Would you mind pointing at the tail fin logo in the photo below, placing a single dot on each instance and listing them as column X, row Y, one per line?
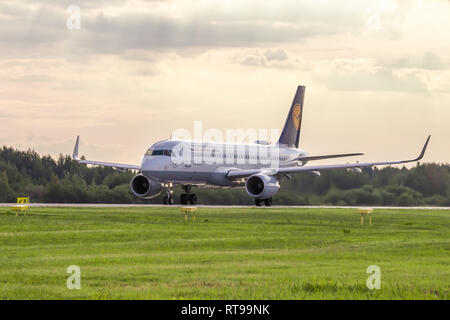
column 296, row 116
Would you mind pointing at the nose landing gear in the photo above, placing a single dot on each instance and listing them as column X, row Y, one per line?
column 168, row 198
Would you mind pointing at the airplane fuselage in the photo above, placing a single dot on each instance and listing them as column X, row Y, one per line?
column 205, row 163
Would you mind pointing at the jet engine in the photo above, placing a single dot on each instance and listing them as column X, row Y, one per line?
column 144, row 188
column 261, row 186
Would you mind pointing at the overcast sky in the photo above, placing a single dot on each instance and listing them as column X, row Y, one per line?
column 377, row 73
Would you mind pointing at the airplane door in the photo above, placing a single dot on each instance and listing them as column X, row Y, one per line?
column 185, row 162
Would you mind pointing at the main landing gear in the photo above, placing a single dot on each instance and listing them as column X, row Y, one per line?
column 188, row 197
column 267, row 202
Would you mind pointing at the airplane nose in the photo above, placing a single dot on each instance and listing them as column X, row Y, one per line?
column 153, row 163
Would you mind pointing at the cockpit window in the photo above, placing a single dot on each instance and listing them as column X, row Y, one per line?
column 151, row 152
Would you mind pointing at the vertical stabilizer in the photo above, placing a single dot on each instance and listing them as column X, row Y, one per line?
column 291, row 132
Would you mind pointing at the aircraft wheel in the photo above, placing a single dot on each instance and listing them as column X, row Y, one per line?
column 258, row 202
column 192, row 198
column 184, row 198
column 268, row 202
column 168, row 200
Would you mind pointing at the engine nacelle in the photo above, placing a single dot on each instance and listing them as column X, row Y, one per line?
column 144, row 188
column 261, row 186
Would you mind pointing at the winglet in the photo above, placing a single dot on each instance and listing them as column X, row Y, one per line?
column 423, row 149
column 75, row 149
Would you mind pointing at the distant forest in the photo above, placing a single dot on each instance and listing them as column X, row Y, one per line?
column 44, row 179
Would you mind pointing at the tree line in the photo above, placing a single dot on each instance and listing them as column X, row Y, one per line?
column 62, row 180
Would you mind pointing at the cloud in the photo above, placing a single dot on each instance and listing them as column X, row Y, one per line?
column 254, row 60
column 134, row 64
column 270, row 58
column 372, row 80
column 427, row 60
column 276, row 54
column 340, row 74
column 114, row 27
column 432, row 61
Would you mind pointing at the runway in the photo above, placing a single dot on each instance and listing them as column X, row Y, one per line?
column 112, row 205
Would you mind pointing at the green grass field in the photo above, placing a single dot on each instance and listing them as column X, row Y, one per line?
column 254, row 253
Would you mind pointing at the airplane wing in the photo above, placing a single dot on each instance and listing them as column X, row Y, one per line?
column 330, row 156
column 239, row 174
column 100, row 163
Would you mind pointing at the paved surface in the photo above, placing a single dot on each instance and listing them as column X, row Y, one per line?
column 109, row 205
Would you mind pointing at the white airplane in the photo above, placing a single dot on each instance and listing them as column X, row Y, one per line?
column 258, row 167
